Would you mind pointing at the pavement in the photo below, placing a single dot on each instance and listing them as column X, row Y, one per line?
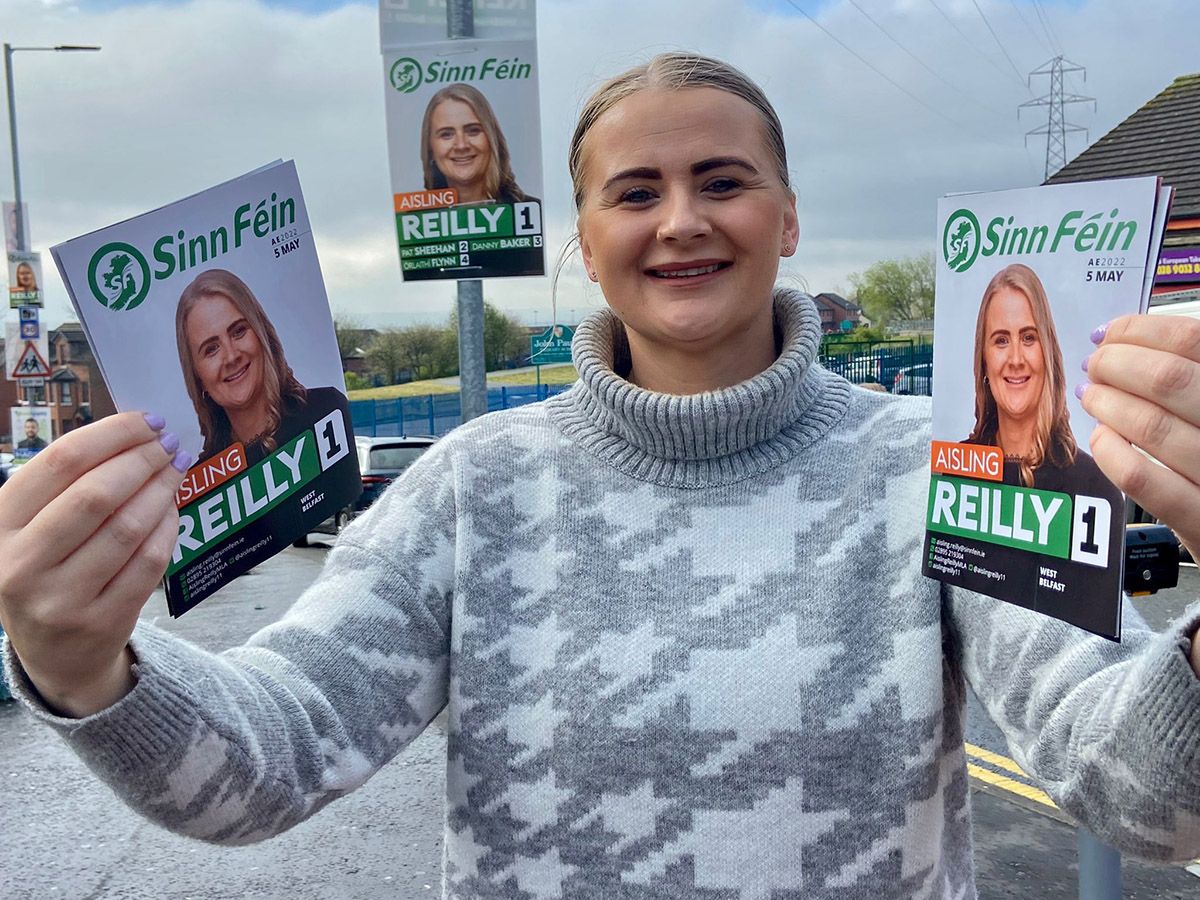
column 63, row 834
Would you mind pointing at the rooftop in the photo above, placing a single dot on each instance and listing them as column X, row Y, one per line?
column 1161, row 138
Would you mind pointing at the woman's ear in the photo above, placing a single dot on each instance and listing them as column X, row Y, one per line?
column 791, row 228
column 585, row 250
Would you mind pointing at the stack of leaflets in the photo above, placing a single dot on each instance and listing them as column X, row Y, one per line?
column 1017, row 508
column 212, row 313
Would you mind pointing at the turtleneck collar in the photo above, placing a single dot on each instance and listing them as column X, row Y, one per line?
column 700, row 440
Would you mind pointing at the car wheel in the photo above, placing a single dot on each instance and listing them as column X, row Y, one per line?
column 341, row 520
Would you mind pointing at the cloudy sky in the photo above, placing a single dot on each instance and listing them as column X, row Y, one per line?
column 886, row 105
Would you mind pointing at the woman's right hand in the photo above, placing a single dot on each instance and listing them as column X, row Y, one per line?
column 87, row 528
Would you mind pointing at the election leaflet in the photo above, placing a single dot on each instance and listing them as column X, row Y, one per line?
column 1017, row 508
column 211, row 312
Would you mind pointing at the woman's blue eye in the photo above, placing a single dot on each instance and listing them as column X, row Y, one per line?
column 637, row 195
column 723, row 185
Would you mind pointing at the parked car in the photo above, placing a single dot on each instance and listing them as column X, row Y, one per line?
column 381, row 460
column 914, row 380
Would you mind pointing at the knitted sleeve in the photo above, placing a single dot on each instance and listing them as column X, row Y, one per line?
column 1111, row 731
column 236, row 747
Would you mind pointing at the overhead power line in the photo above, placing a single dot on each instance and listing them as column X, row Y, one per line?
column 923, row 64
column 996, row 37
column 1044, row 18
column 970, row 43
column 873, row 68
column 1037, row 37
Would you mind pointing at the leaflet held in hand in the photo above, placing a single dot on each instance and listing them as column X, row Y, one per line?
column 1017, row 508
column 212, row 313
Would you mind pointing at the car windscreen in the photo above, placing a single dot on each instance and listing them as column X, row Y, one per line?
column 393, row 459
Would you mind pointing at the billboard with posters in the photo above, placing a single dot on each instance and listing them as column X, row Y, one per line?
column 30, row 431
column 24, row 279
column 464, row 142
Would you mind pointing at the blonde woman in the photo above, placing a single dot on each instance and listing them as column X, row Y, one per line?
column 462, row 147
column 1021, row 389
column 237, row 376
column 671, row 668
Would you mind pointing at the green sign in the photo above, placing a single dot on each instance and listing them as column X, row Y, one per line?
column 551, row 346
column 1003, row 514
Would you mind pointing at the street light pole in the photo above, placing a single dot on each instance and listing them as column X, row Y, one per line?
column 9, row 50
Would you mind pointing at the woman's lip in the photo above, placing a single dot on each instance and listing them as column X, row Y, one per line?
column 673, row 271
column 236, row 376
column 1014, row 380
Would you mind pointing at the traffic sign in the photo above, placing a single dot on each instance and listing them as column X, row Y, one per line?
column 30, row 363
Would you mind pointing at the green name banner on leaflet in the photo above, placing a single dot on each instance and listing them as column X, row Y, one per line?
column 1019, row 517
column 243, row 499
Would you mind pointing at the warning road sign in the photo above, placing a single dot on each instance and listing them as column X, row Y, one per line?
column 25, row 357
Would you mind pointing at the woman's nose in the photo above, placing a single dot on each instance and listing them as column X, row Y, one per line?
column 683, row 218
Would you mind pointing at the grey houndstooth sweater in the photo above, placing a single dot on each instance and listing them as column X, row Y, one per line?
column 687, row 653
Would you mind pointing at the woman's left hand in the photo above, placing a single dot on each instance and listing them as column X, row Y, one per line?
column 1144, row 390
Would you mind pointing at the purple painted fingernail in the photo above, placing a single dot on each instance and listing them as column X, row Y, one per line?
column 1098, row 334
column 1081, row 387
column 1085, row 363
column 170, row 442
column 156, row 422
column 182, row 461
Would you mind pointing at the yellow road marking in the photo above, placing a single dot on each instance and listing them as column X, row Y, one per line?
column 1009, row 784
column 995, row 759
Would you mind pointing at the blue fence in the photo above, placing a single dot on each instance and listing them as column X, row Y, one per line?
column 903, row 367
column 435, row 414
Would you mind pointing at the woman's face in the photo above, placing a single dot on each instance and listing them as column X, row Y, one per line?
column 683, row 217
column 226, row 353
column 460, row 148
column 25, row 279
column 1013, row 358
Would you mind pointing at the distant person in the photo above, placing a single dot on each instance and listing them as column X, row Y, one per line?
column 237, row 376
column 33, row 440
column 462, row 147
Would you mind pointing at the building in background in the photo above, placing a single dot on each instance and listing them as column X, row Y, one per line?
column 75, row 391
column 836, row 311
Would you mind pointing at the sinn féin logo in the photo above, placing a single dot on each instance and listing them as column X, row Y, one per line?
column 119, row 276
column 406, row 75
column 961, row 240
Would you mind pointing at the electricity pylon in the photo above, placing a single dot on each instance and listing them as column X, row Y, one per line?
column 1056, row 126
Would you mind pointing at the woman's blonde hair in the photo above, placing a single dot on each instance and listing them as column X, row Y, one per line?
column 281, row 386
column 499, row 180
column 676, row 71
column 1053, row 441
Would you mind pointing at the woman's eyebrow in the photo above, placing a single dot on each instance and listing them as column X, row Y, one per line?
column 699, row 168
column 720, row 162
column 646, row 172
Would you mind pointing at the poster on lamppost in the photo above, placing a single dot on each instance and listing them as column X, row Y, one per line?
column 15, row 238
column 211, row 312
column 1017, row 508
column 24, row 278
column 464, row 148
column 30, row 431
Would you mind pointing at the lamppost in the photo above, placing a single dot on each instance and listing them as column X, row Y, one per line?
column 9, row 50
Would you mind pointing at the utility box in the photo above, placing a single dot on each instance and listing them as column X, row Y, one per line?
column 1151, row 559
